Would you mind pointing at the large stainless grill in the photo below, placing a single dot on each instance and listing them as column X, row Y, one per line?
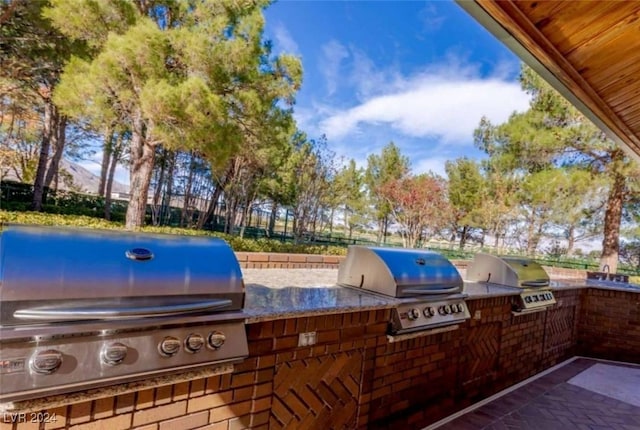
column 428, row 284
column 522, row 273
column 84, row 308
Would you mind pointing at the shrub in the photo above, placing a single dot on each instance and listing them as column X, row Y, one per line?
column 236, row 243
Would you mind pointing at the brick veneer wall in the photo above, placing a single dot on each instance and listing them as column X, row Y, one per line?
column 610, row 325
column 273, row 260
column 419, row 381
column 354, row 378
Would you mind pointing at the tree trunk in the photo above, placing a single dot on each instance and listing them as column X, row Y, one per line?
column 106, row 158
column 272, row 219
column 331, row 214
column 571, row 240
column 50, row 113
column 186, row 202
column 115, row 152
column 157, row 192
column 385, row 228
column 166, row 206
column 59, row 139
column 612, row 218
column 211, row 208
column 142, row 155
column 463, row 236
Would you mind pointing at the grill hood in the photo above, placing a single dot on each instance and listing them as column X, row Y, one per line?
column 399, row 272
column 59, row 274
column 510, row 271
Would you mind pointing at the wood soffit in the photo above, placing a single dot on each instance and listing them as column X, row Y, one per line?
column 588, row 50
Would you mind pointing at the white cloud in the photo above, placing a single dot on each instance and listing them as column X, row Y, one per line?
column 430, row 18
column 284, row 42
column 445, row 104
column 431, row 164
column 333, row 54
column 368, row 80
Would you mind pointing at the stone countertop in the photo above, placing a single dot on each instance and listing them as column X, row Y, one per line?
column 283, row 293
column 476, row 290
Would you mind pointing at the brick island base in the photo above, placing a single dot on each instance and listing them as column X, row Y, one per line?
column 353, row 378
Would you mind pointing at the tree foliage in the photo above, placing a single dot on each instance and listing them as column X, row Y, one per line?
column 418, row 204
column 553, row 135
column 181, row 75
column 390, row 165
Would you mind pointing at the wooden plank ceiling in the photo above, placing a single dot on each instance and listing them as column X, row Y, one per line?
column 591, row 47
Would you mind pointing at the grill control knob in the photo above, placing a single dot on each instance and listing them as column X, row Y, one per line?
column 429, row 312
column 447, row 309
column 441, row 310
column 46, row 362
column 413, row 314
column 169, row 346
column 194, row 342
column 114, row 353
column 216, row 339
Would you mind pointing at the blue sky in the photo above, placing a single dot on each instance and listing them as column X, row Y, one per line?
column 420, row 74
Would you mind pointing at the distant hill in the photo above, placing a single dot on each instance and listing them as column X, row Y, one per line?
column 82, row 179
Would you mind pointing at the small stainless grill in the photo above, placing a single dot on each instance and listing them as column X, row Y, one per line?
column 428, row 284
column 82, row 309
column 524, row 274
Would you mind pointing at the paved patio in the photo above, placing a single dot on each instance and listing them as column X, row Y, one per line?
column 558, row 401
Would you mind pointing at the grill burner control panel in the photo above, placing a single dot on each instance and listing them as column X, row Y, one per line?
column 423, row 315
column 530, row 300
column 63, row 363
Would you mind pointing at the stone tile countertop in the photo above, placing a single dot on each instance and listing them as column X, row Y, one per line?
column 281, row 293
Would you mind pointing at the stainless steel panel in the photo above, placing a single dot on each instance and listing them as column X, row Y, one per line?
column 416, row 316
column 59, row 266
column 510, row 271
column 83, row 363
column 399, row 272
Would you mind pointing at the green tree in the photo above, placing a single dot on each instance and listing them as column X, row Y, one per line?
column 465, row 190
column 308, row 172
column 20, row 132
column 389, row 166
column 348, row 191
column 552, row 133
column 32, row 55
column 177, row 74
column 417, row 203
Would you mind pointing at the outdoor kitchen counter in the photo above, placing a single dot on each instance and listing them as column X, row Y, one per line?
column 273, row 294
column 405, row 384
column 282, row 293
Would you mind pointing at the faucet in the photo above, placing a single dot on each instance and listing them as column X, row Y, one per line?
column 606, row 267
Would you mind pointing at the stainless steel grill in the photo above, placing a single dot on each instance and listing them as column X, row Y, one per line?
column 84, row 308
column 524, row 274
column 429, row 286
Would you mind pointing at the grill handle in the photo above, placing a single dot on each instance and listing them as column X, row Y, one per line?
column 92, row 313
column 425, row 292
column 535, row 284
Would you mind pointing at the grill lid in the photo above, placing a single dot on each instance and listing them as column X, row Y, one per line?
column 510, row 271
column 399, row 272
column 60, row 274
